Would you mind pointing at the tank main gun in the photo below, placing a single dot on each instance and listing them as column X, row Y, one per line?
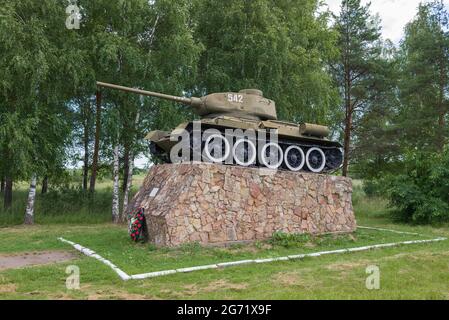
column 188, row 101
column 247, row 104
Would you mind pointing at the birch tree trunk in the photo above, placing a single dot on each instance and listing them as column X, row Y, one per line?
column 129, row 174
column 115, row 195
column 29, row 215
column 127, row 189
column 86, row 147
column 93, row 177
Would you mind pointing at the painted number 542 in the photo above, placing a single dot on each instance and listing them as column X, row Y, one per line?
column 235, row 98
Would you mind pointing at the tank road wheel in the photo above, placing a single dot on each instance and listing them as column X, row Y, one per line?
column 244, row 152
column 217, row 148
column 316, row 160
column 272, row 155
column 294, row 158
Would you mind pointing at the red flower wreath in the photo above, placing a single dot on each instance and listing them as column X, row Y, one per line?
column 136, row 227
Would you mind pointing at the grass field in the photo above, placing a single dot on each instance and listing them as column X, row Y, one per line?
column 407, row 272
column 64, row 206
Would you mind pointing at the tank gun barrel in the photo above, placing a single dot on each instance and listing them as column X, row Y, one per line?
column 183, row 100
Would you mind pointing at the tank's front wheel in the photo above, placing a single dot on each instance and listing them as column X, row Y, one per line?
column 315, row 160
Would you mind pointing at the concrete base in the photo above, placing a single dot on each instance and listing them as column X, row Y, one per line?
column 215, row 204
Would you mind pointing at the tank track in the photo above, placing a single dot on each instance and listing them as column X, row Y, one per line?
column 333, row 156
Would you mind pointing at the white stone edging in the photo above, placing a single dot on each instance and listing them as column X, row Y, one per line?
column 126, row 277
column 389, row 230
column 92, row 254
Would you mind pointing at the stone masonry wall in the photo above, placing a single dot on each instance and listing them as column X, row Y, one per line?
column 215, row 204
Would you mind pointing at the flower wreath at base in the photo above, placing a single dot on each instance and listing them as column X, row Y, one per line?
column 137, row 225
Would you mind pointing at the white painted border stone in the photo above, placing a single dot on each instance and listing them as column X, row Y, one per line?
column 389, row 230
column 142, row 276
column 92, row 254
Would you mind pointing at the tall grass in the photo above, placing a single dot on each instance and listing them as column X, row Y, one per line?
column 70, row 205
column 67, row 206
column 369, row 208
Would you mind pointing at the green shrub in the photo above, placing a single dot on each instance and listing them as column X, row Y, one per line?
column 420, row 194
column 374, row 188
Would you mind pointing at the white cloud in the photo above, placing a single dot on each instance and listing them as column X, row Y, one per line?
column 142, row 162
column 395, row 14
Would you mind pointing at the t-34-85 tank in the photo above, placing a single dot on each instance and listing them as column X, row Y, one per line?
column 296, row 147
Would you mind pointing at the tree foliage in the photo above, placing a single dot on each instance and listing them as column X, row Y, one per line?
column 35, row 121
column 415, row 130
column 420, row 193
column 279, row 47
column 424, row 85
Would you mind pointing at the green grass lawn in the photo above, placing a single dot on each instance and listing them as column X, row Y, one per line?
column 407, row 272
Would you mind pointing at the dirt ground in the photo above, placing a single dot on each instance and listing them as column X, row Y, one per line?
column 34, row 258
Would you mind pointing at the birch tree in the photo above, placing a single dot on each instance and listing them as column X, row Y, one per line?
column 93, row 177
column 115, row 194
column 153, row 49
column 29, row 214
column 129, row 173
column 129, row 183
column 34, row 60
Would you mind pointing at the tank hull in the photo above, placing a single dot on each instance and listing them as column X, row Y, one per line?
column 288, row 136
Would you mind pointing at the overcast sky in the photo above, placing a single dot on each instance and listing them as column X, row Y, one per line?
column 395, row 14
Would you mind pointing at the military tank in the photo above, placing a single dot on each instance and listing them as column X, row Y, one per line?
column 295, row 147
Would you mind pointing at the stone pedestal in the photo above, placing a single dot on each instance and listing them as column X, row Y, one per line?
column 215, row 204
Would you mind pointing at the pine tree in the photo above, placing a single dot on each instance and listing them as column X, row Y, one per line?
column 356, row 67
